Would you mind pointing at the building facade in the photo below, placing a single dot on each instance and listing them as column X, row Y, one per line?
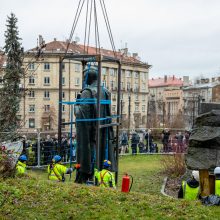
column 165, row 100
column 204, row 90
column 39, row 103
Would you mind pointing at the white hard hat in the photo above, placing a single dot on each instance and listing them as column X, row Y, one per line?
column 217, row 170
column 195, row 174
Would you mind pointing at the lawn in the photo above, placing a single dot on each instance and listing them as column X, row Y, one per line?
column 35, row 197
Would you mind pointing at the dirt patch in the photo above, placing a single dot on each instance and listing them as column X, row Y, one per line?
column 172, row 186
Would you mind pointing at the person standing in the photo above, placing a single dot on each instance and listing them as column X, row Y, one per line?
column 165, row 140
column 124, row 142
column 149, row 141
column 105, row 178
column 134, row 142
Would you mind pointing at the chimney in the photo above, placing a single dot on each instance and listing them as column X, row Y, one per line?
column 197, row 81
column 124, row 51
column 173, row 77
column 135, row 55
column 165, row 78
column 213, row 79
column 54, row 39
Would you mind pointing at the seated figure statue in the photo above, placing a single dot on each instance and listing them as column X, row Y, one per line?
column 86, row 129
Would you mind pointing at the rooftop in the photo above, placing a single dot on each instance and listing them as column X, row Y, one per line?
column 75, row 48
column 166, row 81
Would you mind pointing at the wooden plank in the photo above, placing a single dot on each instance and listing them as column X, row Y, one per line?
column 204, row 182
column 212, row 184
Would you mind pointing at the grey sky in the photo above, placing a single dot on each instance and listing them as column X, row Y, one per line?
column 175, row 36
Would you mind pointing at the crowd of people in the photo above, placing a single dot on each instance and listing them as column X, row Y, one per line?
column 144, row 141
column 49, row 148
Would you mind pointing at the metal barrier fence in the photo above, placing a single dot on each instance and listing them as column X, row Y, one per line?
column 40, row 147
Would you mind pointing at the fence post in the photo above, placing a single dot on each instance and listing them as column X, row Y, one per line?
column 38, row 148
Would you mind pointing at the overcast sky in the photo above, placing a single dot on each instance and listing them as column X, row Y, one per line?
column 175, row 36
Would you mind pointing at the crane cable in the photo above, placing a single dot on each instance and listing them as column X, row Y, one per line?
column 105, row 14
column 88, row 22
column 78, row 12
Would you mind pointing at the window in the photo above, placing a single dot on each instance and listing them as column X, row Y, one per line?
column 77, row 67
column 136, row 108
column 128, row 85
column 63, row 80
column 136, row 74
column 114, row 108
column 128, row 73
column 31, row 80
column 112, row 71
column 46, row 66
column 63, row 66
column 136, row 87
column 144, row 76
column 143, row 108
column 31, row 108
column 31, row 66
column 46, row 80
column 31, row 123
column 113, row 96
column 46, row 94
column 63, row 95
column 1, row 80
column 112, row 84
column 47, row 108
column 143, row 86
column 136, row 97
column 122, row 85
column 63, row 121
column 63, row 108
column 104, row 70
column 104, row 83
column 143, row 98
column 31, row 94
column 77, row 81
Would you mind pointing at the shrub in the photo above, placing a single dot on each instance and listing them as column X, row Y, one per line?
column 174, row 165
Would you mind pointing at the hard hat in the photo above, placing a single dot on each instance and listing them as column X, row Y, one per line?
column 23, row 158
column 107, row 163
column 57, row 158
column 217, row 170
column 195, row 175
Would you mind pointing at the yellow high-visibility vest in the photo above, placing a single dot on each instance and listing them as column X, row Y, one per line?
column 20, row 168
column 190, row 193
column 217, row 187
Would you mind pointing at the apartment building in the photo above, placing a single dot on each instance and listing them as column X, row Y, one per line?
column 39, row 104
column 165, row 99
column 204, row 90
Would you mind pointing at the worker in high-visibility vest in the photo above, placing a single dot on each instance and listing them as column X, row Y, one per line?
column 105, row 178
column 21, row 165
column 217, row 181
column 56, row 170
column 190, row 189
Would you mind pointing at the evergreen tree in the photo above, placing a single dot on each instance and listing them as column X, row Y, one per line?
column 10, row 92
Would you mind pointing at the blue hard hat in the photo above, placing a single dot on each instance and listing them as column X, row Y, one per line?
column 23, row 158
column 57, row 158
column 107, row 163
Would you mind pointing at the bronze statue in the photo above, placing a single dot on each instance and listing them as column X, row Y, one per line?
column 85, row 112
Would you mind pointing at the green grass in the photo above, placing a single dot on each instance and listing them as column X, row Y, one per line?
column 37, row 198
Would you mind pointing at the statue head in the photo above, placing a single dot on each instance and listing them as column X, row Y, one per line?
column 90, row 74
